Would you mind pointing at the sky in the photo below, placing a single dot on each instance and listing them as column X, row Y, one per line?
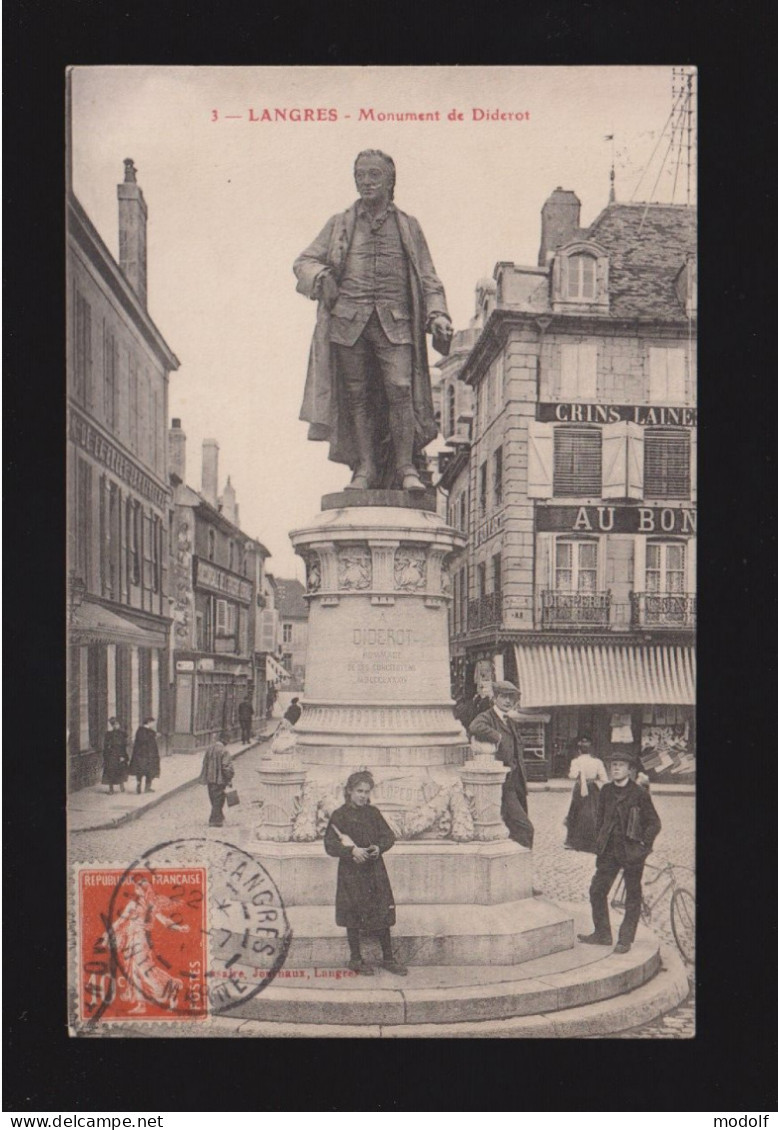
column 232, row 201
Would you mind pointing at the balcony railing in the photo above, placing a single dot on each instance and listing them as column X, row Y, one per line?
column 663, row 610
column 485, row 612
column 572, row 610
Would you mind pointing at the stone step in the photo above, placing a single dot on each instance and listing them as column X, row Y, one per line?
column 581, row 991
column 506, row 934
column 476, row 873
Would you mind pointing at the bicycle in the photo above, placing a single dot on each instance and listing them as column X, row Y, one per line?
column 682, row 904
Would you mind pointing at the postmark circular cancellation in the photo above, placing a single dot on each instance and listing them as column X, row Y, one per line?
column 191, row 929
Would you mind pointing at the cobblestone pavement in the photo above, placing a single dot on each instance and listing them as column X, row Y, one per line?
column 559, row 874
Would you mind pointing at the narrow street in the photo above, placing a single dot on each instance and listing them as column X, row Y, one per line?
column 559, row 874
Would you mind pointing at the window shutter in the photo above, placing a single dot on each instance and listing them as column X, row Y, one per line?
column 540, row 460
column 568, row 378
column 691, row 566
column 634, row 460
column 657, row 387
column 693, row 465
column 614, row 460
column 639, row 572
column 676, row 376
column 544, row 578
column 221, row 615
column 587, row 371
column 602, row 562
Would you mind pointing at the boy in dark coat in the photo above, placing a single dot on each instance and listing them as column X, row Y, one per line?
column 245, row 714
column 357, row 835
column 627, row 825
column 145, row 755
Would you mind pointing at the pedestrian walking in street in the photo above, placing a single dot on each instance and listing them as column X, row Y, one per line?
column 498, row 727
column 272, row 695
column 293, row 712
column 245, row 714
column 627, row 825
column 217, row 774
column 589, row 774
column 144, row 765
column 358, row 836
column 115, row 757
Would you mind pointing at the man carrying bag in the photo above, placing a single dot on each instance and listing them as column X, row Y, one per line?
column 217, row 773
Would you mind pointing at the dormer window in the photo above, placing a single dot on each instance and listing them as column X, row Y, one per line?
column 581, row 276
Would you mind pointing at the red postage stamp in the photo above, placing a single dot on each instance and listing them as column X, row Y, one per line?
column 142, row 944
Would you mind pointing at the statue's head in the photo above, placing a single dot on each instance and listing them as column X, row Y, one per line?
column 374, row 174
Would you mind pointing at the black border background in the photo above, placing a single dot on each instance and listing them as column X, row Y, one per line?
column 727, row 1067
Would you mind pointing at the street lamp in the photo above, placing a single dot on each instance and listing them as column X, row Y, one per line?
column 76, row 593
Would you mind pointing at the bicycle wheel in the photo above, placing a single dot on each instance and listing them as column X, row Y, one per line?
column 682, row 920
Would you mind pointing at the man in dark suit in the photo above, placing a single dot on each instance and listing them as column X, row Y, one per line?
column 497, row 727
column 627, row 825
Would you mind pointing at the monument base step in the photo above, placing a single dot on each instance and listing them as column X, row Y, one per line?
column 456, row 934
column 582, row 991
column 477, row 873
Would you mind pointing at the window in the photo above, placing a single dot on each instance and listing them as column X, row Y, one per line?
column 575, row 568
column 83, row 520
column 666, row 463
column 134, row 537
column 581, row 276
column 82, row 370
column 667, row 376
column 134, row 411
column 211, row 545
column 287, row 633
column 156, row 554
column 665, row 567
column 110, row 367
column 482, row 486
column 451, row 413
column 577, row 462
column 578, row 371
column 463, row 511
column 498, row 477
column 231, row 555
column 110, row 537
column 497, row 573
column 481, row 579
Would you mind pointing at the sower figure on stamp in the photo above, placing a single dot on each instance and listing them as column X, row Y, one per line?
column 627, row 825
column 357, row 835
column 217, row 773
column 498, row 728
column 368, row 387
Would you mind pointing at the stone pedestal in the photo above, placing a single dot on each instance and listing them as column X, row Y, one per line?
column 377, row 682
column 378, row 696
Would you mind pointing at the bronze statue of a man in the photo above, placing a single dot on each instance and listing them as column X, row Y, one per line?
column 368, row 386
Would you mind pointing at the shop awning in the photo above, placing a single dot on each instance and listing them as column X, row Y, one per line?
column 92, row 623
column 274, row 670
column 581, row 675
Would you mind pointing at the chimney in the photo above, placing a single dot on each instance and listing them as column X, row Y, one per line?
column 229, row 505
column 176, row 445
column 210, row 480
column 559, row 223
column 132, row 230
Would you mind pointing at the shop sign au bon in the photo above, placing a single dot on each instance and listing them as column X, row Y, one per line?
column 617, row 519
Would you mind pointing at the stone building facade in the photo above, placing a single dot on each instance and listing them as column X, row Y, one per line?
column 118, row 498
column 217, row 575
column 581, row 558
column 292, row 611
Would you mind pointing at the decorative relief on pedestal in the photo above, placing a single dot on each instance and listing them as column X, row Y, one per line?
column 410, row 570
column 313, row 572
column 441, row 811
column 282, row 785
column 355, row 569
column 482, row 779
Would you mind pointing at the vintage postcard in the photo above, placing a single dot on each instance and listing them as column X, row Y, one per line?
column 381, row 498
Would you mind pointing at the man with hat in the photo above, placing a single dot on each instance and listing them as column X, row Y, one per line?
column 499, row 727
column 627, row 825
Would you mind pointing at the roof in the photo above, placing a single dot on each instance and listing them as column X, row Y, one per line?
column 647, row 245
column 290, row 600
